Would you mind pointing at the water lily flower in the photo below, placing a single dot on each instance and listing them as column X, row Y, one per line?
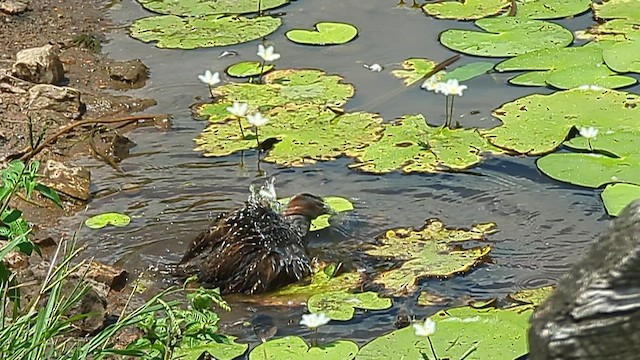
column 314, row 321
column 210, row 78
column 257, row 119
column 374, row 67
column 589, row 132
column 427, row 328
column 238, row 109
column 453, row 87
column 267, row 54
column 431, row 84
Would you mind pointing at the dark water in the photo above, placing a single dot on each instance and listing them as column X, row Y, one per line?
column 544, row 225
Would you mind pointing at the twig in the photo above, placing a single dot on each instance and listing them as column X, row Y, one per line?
column 101, row 155
column 514, row 8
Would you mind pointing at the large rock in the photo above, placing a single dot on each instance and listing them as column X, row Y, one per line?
column 13, row 7
column 69, row 180
column 60, row 99
column 39, row 65
column 595, row 311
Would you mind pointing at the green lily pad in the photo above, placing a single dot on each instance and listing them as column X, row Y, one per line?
column 295, row 348
column 326, row 33
column 192, row 349
column 504, row 37
column 531, row 298
column 175, row 32
column 538, row 124
column 617, row 9
column 561, row 71
column 414, row 70
column 468, row 71
column 410, row 145
column 624, row 56
column 428, row 252
column 461, row 333
column 550, row 9
column 200, row 7
column 615, row 30
column 617, row 196
column 466, row 10
column 341, row 305
column 112, row 218
column 336, row 203
column 248, row 69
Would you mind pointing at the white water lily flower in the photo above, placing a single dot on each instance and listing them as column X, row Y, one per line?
column 431, row 84
column 453, row 87
column 257, row 119
column 425, row 329
column 314, row 321
column 209, row 78
column 589, row 132
column 238, row 109
column 374, row 67
column 268, row 54
column 442, row 88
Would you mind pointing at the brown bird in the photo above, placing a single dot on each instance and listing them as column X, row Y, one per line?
column 255, row 248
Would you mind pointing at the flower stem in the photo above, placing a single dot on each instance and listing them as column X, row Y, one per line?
column 589, row 142
column 432, row 349
column 446, row 110
column 259, row 7
column 261, row 70
column 258, row 141
column 211, row 91
column 451, row 111
column 315, row 338
column 241, row 130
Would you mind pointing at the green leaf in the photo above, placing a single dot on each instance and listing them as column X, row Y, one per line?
column 550, row 9
column 102, row 220
column 617, row 196
column 538, row 124
column 174, row 32
column 428, row 252
column 505, row 37
column 469, row 71
column 336, row 203
column 200, row 7
column 461, row 333
column 294, row 348
column 414, row 70
column 194, row 348
column 623, row 56
column 617, row 9
column 248, row 69
column 531, row 298
column 466, row 10
column 11, row 216
column 326, row 33
column 49, row 194
column 410, row 145
column 341, row 305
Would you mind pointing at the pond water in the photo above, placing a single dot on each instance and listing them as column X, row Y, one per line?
column 544, row 226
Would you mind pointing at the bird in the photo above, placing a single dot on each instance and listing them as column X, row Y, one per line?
column 256, row 248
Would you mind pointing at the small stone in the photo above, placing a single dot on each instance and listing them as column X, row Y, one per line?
column 130, row 72
column 13, row 7
column 56, row 98
column 39, row 65
column 73, row 181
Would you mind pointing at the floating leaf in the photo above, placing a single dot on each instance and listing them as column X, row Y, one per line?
column 341, row 305
column 550, row 9
column 295, row 348
column 616, row 197
column 469, row 71
column 199, row 7
column 617, row 9
column 538, row 124
column 624, row 56
column 428, row 252
column 415, row 70
column 531, row 298
column 174, row 32
column 248, row 69
column 461, row 333
column 465, row 10
column 193, row 349
column 505, row 37
column 326, row 33
column 561, row 71
column 112, row 218
column 337, row 205
column 411, row 145
column 431, row 299
column 616, row 30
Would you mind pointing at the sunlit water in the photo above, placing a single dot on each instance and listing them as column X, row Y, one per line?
column 544, row 225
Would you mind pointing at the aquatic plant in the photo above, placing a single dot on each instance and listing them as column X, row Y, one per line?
column 257, row 120
column 589, row 133
column 267, row 54
column 313, row 322
column 211, row 79
column 239, row 110
column 426, row 329
column 450, row 89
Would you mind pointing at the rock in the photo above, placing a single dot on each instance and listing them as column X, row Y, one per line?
column 61, row 99
column 69, row 180
column 594, row 313
column 130, row 72
column 13, row 7
column 39, row 65
column 113, row 278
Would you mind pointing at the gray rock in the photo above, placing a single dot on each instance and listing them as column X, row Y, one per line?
column 61, row 99
column 594, row 313
column 69, row 180
column 13, row 7
column 39, row 65
column 130, row 72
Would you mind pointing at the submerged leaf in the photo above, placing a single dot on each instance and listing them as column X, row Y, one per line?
column 102, row 220
column 341, row 305
column 468, row 71
column 531, row 298
column 326, row 33
column 415, row 70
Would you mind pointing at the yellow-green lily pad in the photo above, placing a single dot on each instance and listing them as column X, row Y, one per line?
column 200, row 7
column 111, row 218
column 531, row 298
column 617, row 9
column 325, row 33
column 465, row 9
column 428, row 252
column 192, row 348
column 414, row 70
column 550, row 9
column 617, row 196
column 295, row 348
column 248, row 69
column 336, row 203
column 341, row 305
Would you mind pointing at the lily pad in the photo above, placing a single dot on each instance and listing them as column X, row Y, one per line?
column 538, row 124
column 531, row 298
column 617, row 196
column 415, row 70
column 336, row 203
column 341, row 305
column 428, row 252
column 461, row 333
column 326, row 33
column 550, row 9
column 410, row 145
column 295, row 348
column 468, row 71
column 561, row 71
column 466, row 10
column 617, row 9
column 175, row 32
column 616, row 30
column 248, row 69
column 193, row 349
column 200, row 7
column 624, row 56
column 504, row 37
column 111, row 218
